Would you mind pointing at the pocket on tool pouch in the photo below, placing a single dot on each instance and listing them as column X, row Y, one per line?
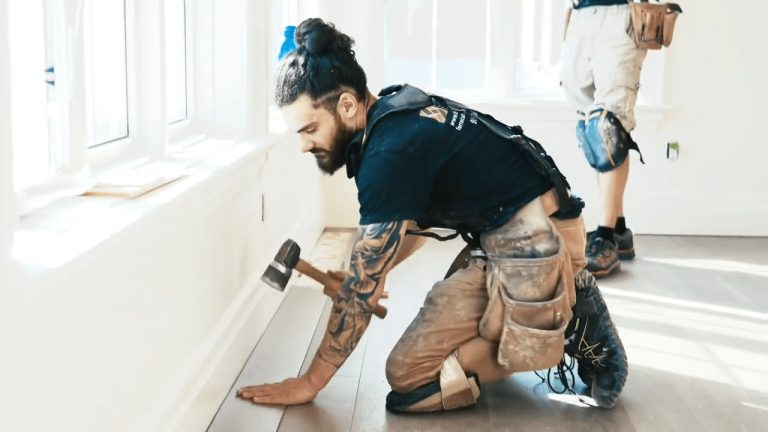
column 529, row 330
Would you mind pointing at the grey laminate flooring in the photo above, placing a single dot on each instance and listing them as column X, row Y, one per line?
column 691, row 312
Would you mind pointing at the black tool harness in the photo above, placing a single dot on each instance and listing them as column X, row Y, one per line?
column 405, row 97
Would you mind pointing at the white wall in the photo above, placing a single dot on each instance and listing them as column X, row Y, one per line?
column 714, row 99
column 148, row 329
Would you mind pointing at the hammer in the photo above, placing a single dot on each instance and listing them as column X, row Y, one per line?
column 287, row 258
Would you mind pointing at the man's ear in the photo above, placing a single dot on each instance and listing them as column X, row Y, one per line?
column 348, row 105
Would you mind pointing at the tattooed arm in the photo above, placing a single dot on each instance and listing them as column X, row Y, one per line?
column 410, row 244
column 373, row 256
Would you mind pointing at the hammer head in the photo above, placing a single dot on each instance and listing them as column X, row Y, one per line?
column 279, row 271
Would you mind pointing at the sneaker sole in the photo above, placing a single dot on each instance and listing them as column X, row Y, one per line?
column 627, row 254
column 607, row 272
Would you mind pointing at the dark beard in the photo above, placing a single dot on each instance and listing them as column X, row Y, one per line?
column 330, row 161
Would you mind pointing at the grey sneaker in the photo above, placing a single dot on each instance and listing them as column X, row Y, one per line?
column 602, row 256
column 592, row 339
column 625, row 244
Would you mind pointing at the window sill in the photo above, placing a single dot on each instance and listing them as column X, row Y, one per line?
column 69, row 226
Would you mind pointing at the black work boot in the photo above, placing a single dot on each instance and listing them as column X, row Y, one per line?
column 625, row 244
column 602, row 256
column 592, row 339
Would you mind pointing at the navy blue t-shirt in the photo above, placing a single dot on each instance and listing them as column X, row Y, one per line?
column 442, row 168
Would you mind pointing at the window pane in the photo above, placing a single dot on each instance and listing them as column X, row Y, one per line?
column 175, row 60
column 408, row 43
column 461, row 54
column 31, row 146
column 541, row 34
column 106, row 70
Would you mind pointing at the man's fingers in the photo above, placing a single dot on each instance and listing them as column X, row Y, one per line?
column 276, row 399
column 256, row 394
column 249, row 391
column 259, row 393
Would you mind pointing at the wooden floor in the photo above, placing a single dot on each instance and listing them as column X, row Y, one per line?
column 690, row 310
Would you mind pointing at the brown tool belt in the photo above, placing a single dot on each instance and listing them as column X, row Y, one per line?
column 653, row 23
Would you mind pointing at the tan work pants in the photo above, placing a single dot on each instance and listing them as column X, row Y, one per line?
column 449, row 320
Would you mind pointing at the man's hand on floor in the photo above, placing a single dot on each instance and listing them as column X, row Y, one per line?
column 292, row 391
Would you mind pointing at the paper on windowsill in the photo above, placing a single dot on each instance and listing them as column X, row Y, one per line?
column 133, row 183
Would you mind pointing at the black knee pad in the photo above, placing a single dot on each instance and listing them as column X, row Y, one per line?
column 604, row 140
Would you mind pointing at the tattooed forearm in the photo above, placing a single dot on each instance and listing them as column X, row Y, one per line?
column 372, row 257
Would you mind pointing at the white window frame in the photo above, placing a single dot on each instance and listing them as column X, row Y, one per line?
column 186, row 130
column 7, row 199
column 209, row 114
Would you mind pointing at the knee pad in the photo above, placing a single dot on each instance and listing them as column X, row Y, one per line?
column 604, row 140
column 455, row 389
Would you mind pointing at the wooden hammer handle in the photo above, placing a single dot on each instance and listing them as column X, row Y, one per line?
column 332, row 285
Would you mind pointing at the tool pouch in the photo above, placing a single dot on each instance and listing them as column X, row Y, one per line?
column 652, row 25
column 528, row 310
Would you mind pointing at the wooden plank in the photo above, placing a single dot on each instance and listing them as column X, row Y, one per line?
column 278, row 355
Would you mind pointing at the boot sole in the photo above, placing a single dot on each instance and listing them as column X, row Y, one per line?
column 627, row 254
column 606, row 272
column 605, row 399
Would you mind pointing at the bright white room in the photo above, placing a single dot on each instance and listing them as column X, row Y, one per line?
column 148, row 178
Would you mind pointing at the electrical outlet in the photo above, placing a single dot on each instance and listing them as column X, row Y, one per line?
column 673, row 150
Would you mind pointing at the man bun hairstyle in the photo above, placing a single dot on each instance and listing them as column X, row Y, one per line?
column 322, row 64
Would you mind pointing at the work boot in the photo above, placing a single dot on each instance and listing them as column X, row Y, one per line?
column 592, row 339
column 602, row 256
column 625, row 244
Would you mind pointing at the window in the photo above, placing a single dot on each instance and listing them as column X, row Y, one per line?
column 513, row 50
column 96, row 85
column 175, row 60
column 106, row 71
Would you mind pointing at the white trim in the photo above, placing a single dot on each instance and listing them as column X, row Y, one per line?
column 150, row 128
column 181, row 131
column 7, row 212
column 74, row 144
column 257, row 76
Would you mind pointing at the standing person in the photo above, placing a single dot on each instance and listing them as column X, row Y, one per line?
column 601, row 76
column 419, row 159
